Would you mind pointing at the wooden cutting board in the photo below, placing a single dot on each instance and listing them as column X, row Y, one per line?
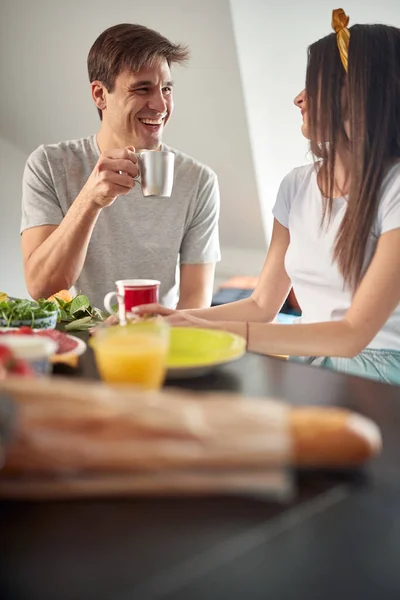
column 272, row 483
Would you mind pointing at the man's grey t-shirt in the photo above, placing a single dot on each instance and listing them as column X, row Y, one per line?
column 136, row 237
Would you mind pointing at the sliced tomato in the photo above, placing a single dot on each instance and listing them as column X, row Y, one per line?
column 26, row 331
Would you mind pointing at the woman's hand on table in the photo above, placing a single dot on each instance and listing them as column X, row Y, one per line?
column 176, row 318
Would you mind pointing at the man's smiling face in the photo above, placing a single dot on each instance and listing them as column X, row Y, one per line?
column 140, row 105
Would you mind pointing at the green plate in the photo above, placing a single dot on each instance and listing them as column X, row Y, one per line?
column 194, row 351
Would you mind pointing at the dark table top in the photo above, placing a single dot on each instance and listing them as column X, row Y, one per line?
column 339, row 536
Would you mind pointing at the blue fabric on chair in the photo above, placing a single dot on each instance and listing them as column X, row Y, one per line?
column 226, row 295
column 287, row 314
column 286, row 319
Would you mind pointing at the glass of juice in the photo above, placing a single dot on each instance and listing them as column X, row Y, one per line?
column 134, row 354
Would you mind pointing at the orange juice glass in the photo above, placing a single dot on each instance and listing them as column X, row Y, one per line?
column 134, row 354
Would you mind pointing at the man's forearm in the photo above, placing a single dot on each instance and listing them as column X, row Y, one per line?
column 57, row 263
column 195, row 301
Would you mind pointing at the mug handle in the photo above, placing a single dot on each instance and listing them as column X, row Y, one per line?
column 108, row 306
column 137, row 178
column 107, row 302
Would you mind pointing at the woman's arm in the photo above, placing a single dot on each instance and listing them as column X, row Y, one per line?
column 268, row 297
column 374, row 301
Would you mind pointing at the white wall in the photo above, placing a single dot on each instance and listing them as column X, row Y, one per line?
column 234, row 105
column 46, row 96
column 272, row 40
column 12, row 162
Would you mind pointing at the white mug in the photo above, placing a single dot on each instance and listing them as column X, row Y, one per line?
column 156, row 172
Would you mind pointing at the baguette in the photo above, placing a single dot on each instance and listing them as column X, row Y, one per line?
column 65, row 426
column 332, row 437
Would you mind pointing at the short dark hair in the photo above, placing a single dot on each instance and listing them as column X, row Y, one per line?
column 129, row 46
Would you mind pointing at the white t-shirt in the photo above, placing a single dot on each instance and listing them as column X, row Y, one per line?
column 316, row 279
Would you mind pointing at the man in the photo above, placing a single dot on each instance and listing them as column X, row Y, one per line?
column 85, row 224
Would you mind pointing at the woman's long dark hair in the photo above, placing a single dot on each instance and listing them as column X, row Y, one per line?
column 369, row 96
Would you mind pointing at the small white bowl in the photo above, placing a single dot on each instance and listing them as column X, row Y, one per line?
column 48, row 322
column 34, row 349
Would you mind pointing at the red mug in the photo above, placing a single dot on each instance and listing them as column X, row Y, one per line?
column 131, row 293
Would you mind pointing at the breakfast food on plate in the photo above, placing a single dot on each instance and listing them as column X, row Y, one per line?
column 65, row 343
column 87, row 427
column 64, row 295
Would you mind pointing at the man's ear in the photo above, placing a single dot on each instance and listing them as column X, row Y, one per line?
column 99, row 94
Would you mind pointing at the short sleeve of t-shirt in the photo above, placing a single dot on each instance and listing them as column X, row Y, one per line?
column 200, row 243
column 40, row 205
column 288, row 189
column 389, row 207
column 285, row 197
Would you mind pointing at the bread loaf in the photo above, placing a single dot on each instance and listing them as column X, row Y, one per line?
column 332, row 437
column 66, row 426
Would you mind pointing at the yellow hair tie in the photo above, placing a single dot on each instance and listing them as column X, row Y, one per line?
column 339, row 24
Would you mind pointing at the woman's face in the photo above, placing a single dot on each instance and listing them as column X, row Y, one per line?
column 301, row 102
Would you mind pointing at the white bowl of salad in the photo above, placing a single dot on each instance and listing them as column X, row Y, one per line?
column 40, row 314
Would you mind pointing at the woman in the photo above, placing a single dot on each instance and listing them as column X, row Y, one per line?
column 336, row 235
